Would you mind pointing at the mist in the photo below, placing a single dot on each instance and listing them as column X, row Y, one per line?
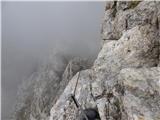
column 33, row 31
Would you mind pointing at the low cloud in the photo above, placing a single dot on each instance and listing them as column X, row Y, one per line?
column 33, row 31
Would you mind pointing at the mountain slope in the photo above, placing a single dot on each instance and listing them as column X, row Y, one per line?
column 36, row 95
column 124, row 82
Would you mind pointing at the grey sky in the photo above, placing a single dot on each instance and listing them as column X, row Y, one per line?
column 32, row 30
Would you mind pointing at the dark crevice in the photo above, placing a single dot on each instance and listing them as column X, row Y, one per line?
column 157, row 23
column 114, row 9
column 126, row 25
column 132, row 5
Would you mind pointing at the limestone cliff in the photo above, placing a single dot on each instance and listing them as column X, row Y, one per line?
column 124, row 82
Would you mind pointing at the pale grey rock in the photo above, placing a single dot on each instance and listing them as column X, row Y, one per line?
column 97, row 88
column 127, row 15
column 141, row 99
column 65, row 109
column 101, row 105
column 136, row 48
column 107, row 29
column 101, row 86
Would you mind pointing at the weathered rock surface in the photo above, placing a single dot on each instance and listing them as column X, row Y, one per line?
column 141, row 100
column 124, row 15
column 124, row 82
column 65, row 109
column 132, row 50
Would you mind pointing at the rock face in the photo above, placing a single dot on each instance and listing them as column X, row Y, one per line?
column 36, row 95
column 124, row 82
column 74, row 65
column 141, row 99
column 121, row 16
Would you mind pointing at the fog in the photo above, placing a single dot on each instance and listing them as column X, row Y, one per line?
column 31, row 31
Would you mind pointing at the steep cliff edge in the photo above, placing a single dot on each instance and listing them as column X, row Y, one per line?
column 36, row 95
column 124, row 82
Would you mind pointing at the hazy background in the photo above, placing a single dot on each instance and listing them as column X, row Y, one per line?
column 32, row 30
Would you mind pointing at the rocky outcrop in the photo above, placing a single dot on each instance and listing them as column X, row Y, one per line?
column 124, row 82
column 75, row 65
column 141, row 99
column 65, row 109
column 123, row 15
column 36, row 95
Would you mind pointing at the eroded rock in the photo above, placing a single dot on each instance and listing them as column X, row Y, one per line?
column 142, row 93
column 126, row 15
column 82, row 94
column 101, row 86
